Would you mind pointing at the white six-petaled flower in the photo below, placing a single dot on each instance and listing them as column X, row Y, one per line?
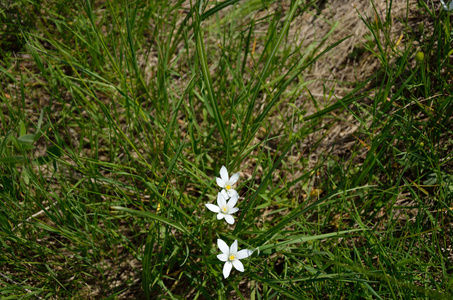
column 231, row 256
column 223, row 208
column 226, row 183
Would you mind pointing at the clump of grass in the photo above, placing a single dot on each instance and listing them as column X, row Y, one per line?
column 117, row 119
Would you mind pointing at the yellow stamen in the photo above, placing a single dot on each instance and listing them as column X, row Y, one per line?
column 232, row 257
column 228, row 187
column 224, row 208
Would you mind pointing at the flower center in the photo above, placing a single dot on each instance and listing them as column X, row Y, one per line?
column 224, row 209
column 228, row 187
column 232, row 257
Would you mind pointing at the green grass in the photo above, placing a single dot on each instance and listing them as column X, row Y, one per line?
column 117, row 117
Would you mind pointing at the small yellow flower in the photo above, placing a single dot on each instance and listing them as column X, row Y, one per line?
column 419, row 56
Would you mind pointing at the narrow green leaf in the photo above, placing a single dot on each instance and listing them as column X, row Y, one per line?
column 155, row 217
column 147, row 257
column 12, row 159
column 217, row 8
column 296, row 240
column 208, row 81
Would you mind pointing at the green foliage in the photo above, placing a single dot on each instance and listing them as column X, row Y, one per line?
column 119, row 114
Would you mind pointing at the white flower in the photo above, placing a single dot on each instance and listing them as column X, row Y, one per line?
column 223, row 208
column 226, row 182
column 446, row 7
column 231, row 256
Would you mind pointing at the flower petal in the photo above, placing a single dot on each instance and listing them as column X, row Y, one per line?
column 227, row 269
column 225, row 194
column 233, row 210
column 220, row 182
column 223, row 257
column 232, row 193
column 238, row 265
column 224, row 174
column 220, row 216
column 221, row 201
column 223, row 247
column 234, row 247
column 213, row 208
column 233, row 200
column 229, row 219
column 234, row 178
column 243, row 253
